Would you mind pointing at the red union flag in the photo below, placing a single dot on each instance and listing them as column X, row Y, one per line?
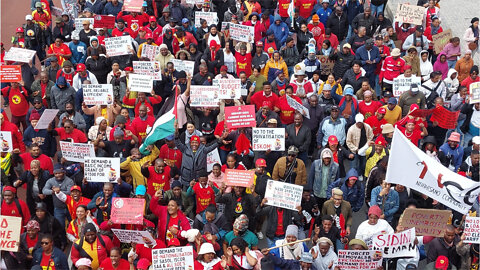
column 240, row 116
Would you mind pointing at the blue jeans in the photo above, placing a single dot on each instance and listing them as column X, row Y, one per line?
column 60, row 215
column 340, row 245
column 271, row 242
column 377, row 88
column 376, row 9
column 303, row 156
column 223, row 155
column 350, row 33
column 451, row 63
column 358, row 163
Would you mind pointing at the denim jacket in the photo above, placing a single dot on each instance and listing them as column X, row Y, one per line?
column 389, row 206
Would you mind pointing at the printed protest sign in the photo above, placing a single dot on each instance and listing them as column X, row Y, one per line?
column 148, row 68
column 264, row 139
column 401, row 85
column 79, row 23
column 101, row 21
column 240, row 178
column 10, row 228
column 210, row 17
column 240, row 116
column 396, row 245
column 409, row 14
column 130, row 236
column 445, row 118
column 474, row 92
column 212, row 158
column 133, row 5
column 150, row 51
column 228, row 88
column 440, row 40
column 298, row 107
column 127, row 210
column 176, row 258
column 140, row 83
column 283, row 195
column 98, row 94
column 242, row 32
column 326, row 64
column 11, row 73
column 472, row 230
column 426, row 221
column 225, row 26
column 102, row 169
column 47, row 117
column 19, row 55
column 118, row 45
column 203, row 96
column 76, row 152
column 359, row 259
column 6, row 141
column 194, row 2
column 181, row 65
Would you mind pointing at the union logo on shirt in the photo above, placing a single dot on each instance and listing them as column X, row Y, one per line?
column 16, row 99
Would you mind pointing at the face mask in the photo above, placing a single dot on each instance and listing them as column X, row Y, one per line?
column 69, row 111
column 311, row 57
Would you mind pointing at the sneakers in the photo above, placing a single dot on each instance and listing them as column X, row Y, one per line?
column 260, row 235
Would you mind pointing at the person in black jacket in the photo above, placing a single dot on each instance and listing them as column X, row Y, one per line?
column 353, row 76
column 237, row 203
column 468, row 109
column 301, row 138
column 303, row 36
column 99, row 66
column 213, row 57
column 343, row 61
column 50, row 225
column 22, row 259
column 338, row 23
column 61, row 28
column 364, row 19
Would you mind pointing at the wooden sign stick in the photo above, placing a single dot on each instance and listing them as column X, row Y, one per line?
column 291, row 243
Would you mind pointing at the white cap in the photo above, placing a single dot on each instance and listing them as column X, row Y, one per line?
column 206, row 248
column 28, row 18
column 476, row 140
column 359, row 118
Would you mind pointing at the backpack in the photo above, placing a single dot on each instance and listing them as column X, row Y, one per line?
column 373, row 152
column 433, row 95
column 82, row 252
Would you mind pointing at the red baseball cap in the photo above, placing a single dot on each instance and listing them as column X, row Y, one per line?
column 382, row 110
column 19, row 30
column 81, row 67
column 381, row 141
column 75, row 188
column 141, row 28
column 173, row 242
column 260, row 163
column 441, row 263
column 149, row 35
column 194, row 138
column 259, row 44
column 128, row 69
column 332, row 139
column 152, row 19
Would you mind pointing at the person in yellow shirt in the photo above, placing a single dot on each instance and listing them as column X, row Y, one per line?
column 394, row 112
column 149, row 38
column 134, row 164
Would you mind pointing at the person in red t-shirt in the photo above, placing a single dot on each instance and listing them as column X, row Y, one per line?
column 287, row 113
column 115, row 261
column 377, row 121
column 142, row 122
column 204, row 194
column 59, row 50
column 142, row 99
column 260, row 97
column 244, row 61
column 368, row 106
column 158, row 176
column 14, row 207
column 16, row 96
column 232, row 163
column 50, row 257
column 31, row 240
column 68, row 132
column 36, row 154
column 413, row 134
column 170, row 153
column 305, row 8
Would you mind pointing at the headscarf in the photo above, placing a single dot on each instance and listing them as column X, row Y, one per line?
column 241, row 223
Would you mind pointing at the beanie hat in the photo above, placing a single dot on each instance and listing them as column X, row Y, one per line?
column 375, row 210
column 34, row 115
column 292, row 230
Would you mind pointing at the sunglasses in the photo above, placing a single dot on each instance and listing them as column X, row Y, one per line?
column 45, row 243
column 292, row 155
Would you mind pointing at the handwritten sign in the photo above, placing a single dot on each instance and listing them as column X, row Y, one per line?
column 47, row 117
column 101, row 21
column 264, row 139
column 150, row 51
column 210, row 17
column 409, row 14
column 212, row 158
column 19, row 55
column 118, row 45
column 445, row 118
column 10, row 228
column 130, row 236
column 79, row 23
column 102, row 169
column 127, row 210
column 240, row 178
column 148, row 68
column 359, row 259
column 133, row 5
column 76, row 152
column 426, row 221
column 240, row 116
column 203, row 96
column 98, row 94
column 401, row 85
column 176, row 258
column 187, row 66
column 6, row 141
column 440, row 40
column 228, row 88
column 11, row 73
column 242, row 32
column 298, row 107
column 474, row 92
column 326, row 64
column 140, row 83
column 283, row 195
column 472, row 230
column 396, row 245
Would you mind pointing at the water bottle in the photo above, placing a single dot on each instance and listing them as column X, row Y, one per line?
column 254, row 84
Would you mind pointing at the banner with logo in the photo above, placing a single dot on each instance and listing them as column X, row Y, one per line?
column 127, row 210
column 101, row 21
column 264, row 139
column 76, row 152
column 102, row 169
column 6, row 141
column 150, row 51
column 401, row 85
column 283, row 195
column 148, row 68
column 98, row 94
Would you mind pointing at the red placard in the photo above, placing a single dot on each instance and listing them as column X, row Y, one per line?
column 101, row 21
column 445, row 118
column 239, row 178
column 240, row 116
column 421, row 113
column 127, row 210
column 133, row 5
column 11, row 73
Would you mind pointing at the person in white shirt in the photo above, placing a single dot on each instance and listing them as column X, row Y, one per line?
column 323, row 254
column 426, row 66
column 373, row 226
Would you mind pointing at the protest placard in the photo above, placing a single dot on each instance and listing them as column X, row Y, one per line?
column 326, row 64
column 56, row 11
column 445, row 118
column 102, row 169
column 212, row 158
column 47, row 117
column 426, row 221
column 6, row 141
column 240, row 178
column 228, row 88
column 183, row 65
column 10, row 73
column 176, row 258
column 264, row 139
column 474, row 92
column 118, row 45
column 401, row 85
column 130, row 236
column 140, row 83
column 396, row 245
column 79, row 23
column 210, row 17
column 19, row 55
column 132, row 5
column 97, row 94
column 421, row 112
column 10, row 228
column 359, row 259
column 203, row 96
column 242, row 32
column 225, row 26
column 101, row 21
column 76, row 152
column 283, row 195
column 127, row 210
column 148, row 68
column 150, row 51
column 240, row 116
column 298, row 107
column 440, row 40
column 472, row 230
column 409, row 14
